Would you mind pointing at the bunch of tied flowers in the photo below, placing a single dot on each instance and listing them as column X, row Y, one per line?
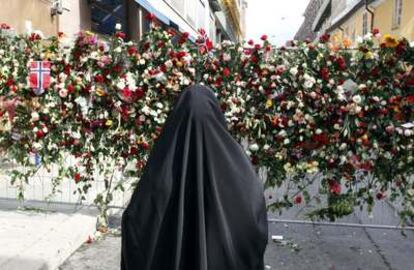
column 317, row 113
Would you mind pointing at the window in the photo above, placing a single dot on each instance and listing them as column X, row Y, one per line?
column 365, row 24
column 398, row 6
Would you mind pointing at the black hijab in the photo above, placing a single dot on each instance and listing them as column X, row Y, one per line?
column 199, row 204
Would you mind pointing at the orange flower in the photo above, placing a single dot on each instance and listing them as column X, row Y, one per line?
column 390, row 41
column 347, row 43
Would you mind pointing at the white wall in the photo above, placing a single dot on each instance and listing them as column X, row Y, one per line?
column 77, row 19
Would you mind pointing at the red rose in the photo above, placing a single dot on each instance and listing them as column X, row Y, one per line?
column 171, row 31
column 181, row 54
column 150, row 17
column 70, row 88
column 40, row 134
column 341, row 63
column 145, row 145
column 133, row 151
column 324, row 38
column 380, row 196
column 226, row 72
column 77, row 177
column 325, row 73
column 298, row 199
column 322, row 138
column 184, row 37
column 9, row 82
column 120, row 35
column 375, row 31
column 250, row 42
column 132, row 50
column 99, row 78
column 209, row 44
column 334, row 187
column 117, row 69
column 161, row 44
column 126, row 93
column 139, row 93
column 410, row 99
column 4, row 26
column 264, row 37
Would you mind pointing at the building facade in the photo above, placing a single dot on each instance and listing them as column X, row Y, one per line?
column 305, row 31
column 222, row 19
column 350, row 19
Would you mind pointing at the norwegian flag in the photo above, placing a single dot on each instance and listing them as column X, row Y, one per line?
column 39, row 76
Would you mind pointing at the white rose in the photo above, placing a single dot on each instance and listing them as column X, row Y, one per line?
column 293, row 71
column 254, row 147
column 35, row 116
column 121, row 84
column 362, row 86
column 343, row 146
column 357, row 99
column 169, row 63
column 226, row 57
column 37, row 146
column 76, row 135
column 308, row 84
column 282, row 133
column 408, row 132
column 118, row 26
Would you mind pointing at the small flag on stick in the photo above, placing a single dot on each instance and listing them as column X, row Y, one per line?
column 39, row 76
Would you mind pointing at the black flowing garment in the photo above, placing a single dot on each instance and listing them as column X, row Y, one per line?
column 199, row 204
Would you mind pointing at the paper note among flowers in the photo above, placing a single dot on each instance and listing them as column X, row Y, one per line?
column 408, row 125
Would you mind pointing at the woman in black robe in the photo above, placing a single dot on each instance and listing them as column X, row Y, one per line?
column 199, row 204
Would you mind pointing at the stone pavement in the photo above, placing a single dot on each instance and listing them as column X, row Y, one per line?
column 42, row 237
column 304, row 247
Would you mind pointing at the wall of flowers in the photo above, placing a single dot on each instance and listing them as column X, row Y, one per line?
column 343, row 113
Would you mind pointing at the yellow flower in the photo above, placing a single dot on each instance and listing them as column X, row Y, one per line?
column 100, row 92
column 269, row 103
column 108, row 123
column 369, row 55
column 390, row 41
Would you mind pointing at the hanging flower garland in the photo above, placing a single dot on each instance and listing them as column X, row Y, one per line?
column 310, row 112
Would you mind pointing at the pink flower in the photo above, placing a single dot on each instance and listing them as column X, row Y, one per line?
column 334, row 187
column 63, row 93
